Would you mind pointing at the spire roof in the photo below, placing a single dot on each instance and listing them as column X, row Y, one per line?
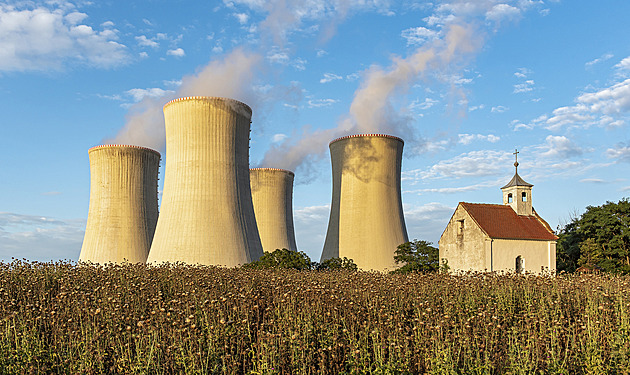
column 516, row 180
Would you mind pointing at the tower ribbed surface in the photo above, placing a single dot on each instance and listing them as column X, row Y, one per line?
column 366, row 218
column 272, row 194
column 207, row 215
column 123, row 204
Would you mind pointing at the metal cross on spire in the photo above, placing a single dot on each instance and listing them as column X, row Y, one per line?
column 515, row 153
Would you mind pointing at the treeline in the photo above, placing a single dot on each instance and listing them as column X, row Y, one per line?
column 413, row 256
column 597, row 240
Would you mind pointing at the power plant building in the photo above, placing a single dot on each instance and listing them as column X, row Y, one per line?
column 207, row 214
column 123, row 204
column 272, row 194
column 366, row 219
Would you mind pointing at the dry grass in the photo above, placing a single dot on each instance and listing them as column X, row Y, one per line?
column 63, row 318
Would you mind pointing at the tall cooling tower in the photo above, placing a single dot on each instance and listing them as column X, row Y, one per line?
column 207, row 215
column 366, row 217
column 123, row 204
column 272, row 193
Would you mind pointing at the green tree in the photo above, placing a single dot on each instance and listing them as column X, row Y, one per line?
column 337, row 264
column 282, row 258
column 608, row 228
column 417, row 256
column 590, row 253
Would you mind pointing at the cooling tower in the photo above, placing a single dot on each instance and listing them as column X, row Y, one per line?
column 207, row 215
column 366, row 218
column 123, row 204
column 272, row 194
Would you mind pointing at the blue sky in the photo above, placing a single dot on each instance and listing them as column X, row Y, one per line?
column 464, row 83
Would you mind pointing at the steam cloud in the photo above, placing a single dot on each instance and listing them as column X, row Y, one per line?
column 231, row 77
column 372, row 109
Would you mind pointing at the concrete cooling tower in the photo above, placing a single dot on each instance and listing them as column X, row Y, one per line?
column 207, row 215
column 123, row 204
column 272, row 193
column 366, row 218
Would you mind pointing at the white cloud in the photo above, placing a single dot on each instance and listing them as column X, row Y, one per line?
column 501, row 12
column 427, row 222
column 620, row 152
column 418, row 35
column 593, row 180
column 352, row 77
column 609, row 107
column 280, row 56
column 49, row 39
column 286, row 17
column 560, row 147
column 242, row 18
column 611, row 100
column 472, row 164
column 466, row 139
column 173, row 82
column 146, row 42
column 316, row 103
column 476, row 107
column 602, row 58
column 624, row 64
column 177, row 52
column 499, row 109
column 75, row 17
column 328, row 77
column 39, row 238
column 310, row 229
column 139, row 94
column 278, row 137
column 321, row 53
column 424, row 105
column 522, row 72
column 527, row 86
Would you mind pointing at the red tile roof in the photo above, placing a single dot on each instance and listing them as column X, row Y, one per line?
column 500, row 221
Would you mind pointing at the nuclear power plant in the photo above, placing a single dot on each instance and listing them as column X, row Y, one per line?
column 366, row 218
column 123, row 204
column 207, row 215
column 272, row 194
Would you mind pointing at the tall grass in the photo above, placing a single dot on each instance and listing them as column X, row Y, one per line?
column 63, row 318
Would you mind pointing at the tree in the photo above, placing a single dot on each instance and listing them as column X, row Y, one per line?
column 282, row 258
column 590, row 253
column 608, row 229
column 417, row 256
column 337, row 264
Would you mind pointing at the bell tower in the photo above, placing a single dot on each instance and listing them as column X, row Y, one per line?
column 518, row 193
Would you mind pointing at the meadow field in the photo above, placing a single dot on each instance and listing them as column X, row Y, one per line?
column 64, row 318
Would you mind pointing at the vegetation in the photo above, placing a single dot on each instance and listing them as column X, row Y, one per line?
column 334, row 264
column 417, row 256
column 62, row 318
column 600, row 237
column 282, row 258
column 298, row 260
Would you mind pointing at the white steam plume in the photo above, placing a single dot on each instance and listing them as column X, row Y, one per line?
column 231, row 77
column 372, row 109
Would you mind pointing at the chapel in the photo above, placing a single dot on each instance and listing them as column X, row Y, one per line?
column 508, row 237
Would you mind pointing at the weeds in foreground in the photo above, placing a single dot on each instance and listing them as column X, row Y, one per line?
column 63, row 318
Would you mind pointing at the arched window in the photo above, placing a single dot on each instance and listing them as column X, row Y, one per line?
column 510, row 198
column 519, row 264
column 524, row 197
